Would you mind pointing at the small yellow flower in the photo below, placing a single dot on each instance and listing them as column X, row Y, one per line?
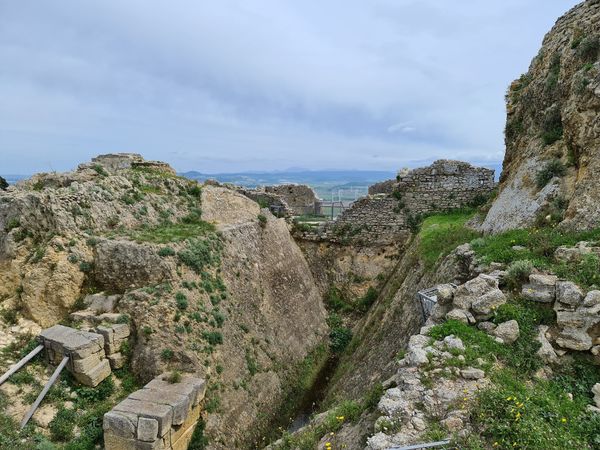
column 496, row 444
column 563, row 420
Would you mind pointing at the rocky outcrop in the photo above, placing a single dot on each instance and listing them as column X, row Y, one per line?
column 552, row 131
column 207, row 285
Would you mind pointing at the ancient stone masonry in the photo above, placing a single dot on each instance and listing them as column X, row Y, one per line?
column 87, row 361
column 162, row 415
column 285, row 200
column 120, row 161
column 384, row 217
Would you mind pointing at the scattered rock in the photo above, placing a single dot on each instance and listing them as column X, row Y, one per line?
column 488, row 327
column 568, row 293
column 507, row 331
column 546, row 351
column 541, row 288
column 454, row 343
column 471, row 373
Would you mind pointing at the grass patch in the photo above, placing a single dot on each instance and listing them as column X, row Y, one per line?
column 540, row 245
column 442, row 233
column 171, row 232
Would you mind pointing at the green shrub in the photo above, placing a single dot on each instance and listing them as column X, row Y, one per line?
column 181, row 300
column 336, row 300
column 554, row 168
column 174, row 377
column 589, row 48
column 552, row 127
column 9, row 315
column 100, row 170
column 339, row 339
column 13, row 222
column 262, row 220
column 368, row 299
column 201, row 253
column 167, row 354
column 166, row 251
column 213, row 337
column 63, row 424
column 553, row 74
column 85, row 266
column 518, row 272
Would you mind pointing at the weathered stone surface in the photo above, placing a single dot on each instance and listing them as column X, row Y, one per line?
column 458, row 314
column 568, row 293
column 147, row 429
column 165, row 416
column 541, row 288
column 120, row 424
column 454, row 343
column 121, row 265
column 180, row 404
column 592, row 299
column 507, row 331
column 571, row 103
column 94, row 376
column 471, row 291
column 101, row 303
column 89, row 363
column 574, row 339
column 445, row 293
column 489, row 301
column 546, row 351
column 471, row 373
column 117, row 360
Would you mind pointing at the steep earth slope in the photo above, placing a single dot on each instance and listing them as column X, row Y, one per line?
column 210, row 284
column 552, row 158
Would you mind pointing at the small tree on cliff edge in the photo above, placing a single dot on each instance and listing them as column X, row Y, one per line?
column 3, row 183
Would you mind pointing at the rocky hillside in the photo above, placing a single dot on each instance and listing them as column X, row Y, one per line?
column 552, row 158
column 210, row 284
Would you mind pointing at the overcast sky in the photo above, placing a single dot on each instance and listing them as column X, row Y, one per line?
column 232, row 85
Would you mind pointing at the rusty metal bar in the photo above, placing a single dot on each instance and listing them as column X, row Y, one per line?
column 21, row 363
column 47, row 387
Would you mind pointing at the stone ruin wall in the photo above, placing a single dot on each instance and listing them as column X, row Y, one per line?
column 382, row 218
column 285, row 200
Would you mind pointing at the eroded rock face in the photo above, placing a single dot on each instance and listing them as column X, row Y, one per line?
column 206, row 286
column 552, row 114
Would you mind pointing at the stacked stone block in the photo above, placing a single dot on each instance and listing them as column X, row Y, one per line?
column 87, row 361
column 162, row 415
column 114, row 336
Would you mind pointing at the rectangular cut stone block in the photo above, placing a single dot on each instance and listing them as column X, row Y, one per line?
column 121, row 331
column 113, row 347
column 87, row 364
column 117, row 360
column 120, row 424
column 95, row 376
column 109, row 317
column 193, row 387
column 190, row 421
column 107, row 333
column 147, row 429
column 179, row 403
column 162, row 413
column 541, row 288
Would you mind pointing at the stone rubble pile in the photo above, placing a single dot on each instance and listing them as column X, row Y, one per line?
column 426, row 390
column 161, row 415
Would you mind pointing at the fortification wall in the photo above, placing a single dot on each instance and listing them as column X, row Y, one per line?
column 385, row 218
column 300, row 198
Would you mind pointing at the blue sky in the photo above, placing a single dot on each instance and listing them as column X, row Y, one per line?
column 228, row 85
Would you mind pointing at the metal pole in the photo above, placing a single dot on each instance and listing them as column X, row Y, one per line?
column 49, row 384
column 21, row 363
column 421, row 446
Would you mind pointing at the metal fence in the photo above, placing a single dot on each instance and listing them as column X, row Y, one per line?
column 428, row 299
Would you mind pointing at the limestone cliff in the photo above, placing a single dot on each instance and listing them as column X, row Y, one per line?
column 552, row 158
column 211, row 284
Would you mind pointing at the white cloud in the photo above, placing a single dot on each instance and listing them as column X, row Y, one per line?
column 235, row 85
